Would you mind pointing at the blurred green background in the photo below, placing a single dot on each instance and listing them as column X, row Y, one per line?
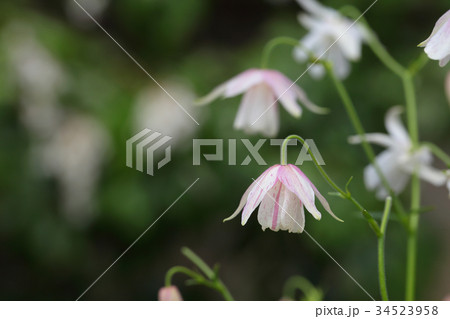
column 70, row 98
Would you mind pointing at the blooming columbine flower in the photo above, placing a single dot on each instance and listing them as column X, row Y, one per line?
column 399, row 161
column 170, row 293
column 282, row 191
column 437, row 46
column 331, row 37
column 258, row 111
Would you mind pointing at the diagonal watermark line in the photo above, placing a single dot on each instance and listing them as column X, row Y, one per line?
column 135, row 61
column 137, row 239
column 315, row 61
column 317, row 243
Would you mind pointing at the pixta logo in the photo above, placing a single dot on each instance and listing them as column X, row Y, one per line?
column 144, row 145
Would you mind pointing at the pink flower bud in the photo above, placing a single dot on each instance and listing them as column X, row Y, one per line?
column 170, row 293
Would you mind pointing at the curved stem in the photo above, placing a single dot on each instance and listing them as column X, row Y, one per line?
column 180, row 269
column 272, row 44
column 381, row 245
column 298, row 282
column 356, row 122
column 344, row 194
column 213, row 282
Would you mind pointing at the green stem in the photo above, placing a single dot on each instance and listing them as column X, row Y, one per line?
column 344, row 194
column 272, row 44
column 216, row 283
column 411, row 108
column 356, row 122
column 298, row 282
column 438, row 152
column 381, row 245
column 411, row 257
column 196, row 260
column 180, row 269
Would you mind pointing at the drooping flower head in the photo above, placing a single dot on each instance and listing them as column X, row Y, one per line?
column 399, row 161
column 331, row 37
column 258, row 112
column 282, row 192
column 170, row 293
column 437, row 46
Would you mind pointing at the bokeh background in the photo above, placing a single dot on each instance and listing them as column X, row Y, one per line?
column 70, row 98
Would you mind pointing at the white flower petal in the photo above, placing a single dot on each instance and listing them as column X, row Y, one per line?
column 341, row 66
column 259, row 189
column 432, row 175
column 443, row 62
column 218, row 91
column 243, row 82
column 438, row 47
column 270, row 209
column 300, row 187
column 258, row 111
column 301, row 95
column 440, row 22
column 376, row 138
column 292, row 213
column 395, row 127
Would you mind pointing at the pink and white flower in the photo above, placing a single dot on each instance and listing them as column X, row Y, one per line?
column 169, row 293
column 331, row 37
column 258, row 112
column 399, row 161
column 437, row 46
column 282, row 192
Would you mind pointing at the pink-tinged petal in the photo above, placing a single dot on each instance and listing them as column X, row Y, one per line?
column 170, row 293
column 217, row 92
column 322, row 199
column 241, row 204
column 284, row 90
column 243, row 82
column 376, row 138
column 258, row 111
column 438, row 46
column 440, row 22
column 301, row 187
column 270, row 209
column 395, row 127
column 259, row 189
column 301, row 95
column 443, row 62
column 292, row 213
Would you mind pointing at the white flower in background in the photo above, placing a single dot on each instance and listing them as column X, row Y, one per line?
column 258, row 112
column 157, row 111
column 331, row 37
column 74, row 157
column 281, row 192
column 448, row 182
column 437, row 46
column 95, row 8
column 399, row 161
column 39, row 77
